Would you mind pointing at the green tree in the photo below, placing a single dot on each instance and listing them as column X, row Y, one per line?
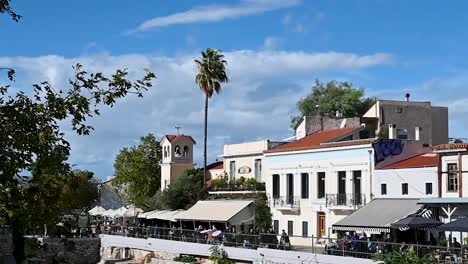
column 137, row 169
column 185, row 190
column 326, row 99
column 211, row 73
column 80, row 190
column 32, row 140
column 262, row 213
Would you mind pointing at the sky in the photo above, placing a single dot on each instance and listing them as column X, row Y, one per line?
column 275, row 50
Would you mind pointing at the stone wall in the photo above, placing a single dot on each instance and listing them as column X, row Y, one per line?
column 316, row 124
column 6, row 242
column 62, row 250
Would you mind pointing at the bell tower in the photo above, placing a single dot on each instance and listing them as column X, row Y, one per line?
column 177, row 152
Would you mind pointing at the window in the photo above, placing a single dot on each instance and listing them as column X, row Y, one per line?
column 165, row 151
column 276, row 226
column 305, row 229
column 428, row 187
column 276, row 186
column 402, row 133
column 383, row 189
column 452, row 177
column 289, row 188
column 404, row 188
column 177, row 152
column 186, row 151
column 258, row 169
column 304, row 185
column 321, row 185
column 232, row 170
column 290, row 228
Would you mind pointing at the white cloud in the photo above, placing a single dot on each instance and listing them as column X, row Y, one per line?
column 215, row 13
column 257, row 103
column 271, row 43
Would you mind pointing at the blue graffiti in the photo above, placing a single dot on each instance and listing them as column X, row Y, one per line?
column 386, row 147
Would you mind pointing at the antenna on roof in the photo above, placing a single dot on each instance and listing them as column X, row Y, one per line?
column 178, row 127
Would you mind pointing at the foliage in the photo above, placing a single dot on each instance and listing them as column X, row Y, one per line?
column 186, row 259
column 219, row 256
column 185, row 190
column 326, row 99
column 263, row 214
column 137, row 170
column 6, row 8
column 223, row 183
column 405, row 258
column 80, row 190
column 211, row 73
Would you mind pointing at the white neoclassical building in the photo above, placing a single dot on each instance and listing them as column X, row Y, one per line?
column 317, row 180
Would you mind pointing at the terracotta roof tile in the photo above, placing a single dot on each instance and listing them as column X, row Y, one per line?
column 451, row 146
column 316, row 140
column 421, row 161
column 173, row 138
column 219, row 165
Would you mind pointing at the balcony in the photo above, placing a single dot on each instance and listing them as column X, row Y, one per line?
column 345, row 201
column 285, row 203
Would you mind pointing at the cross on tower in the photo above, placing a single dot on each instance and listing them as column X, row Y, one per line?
column 178, row 127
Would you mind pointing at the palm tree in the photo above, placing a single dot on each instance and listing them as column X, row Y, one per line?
column 211, row 73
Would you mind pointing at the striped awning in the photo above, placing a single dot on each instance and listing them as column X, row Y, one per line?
column 378, row 215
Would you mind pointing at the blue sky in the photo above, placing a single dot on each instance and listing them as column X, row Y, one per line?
column 275, row 50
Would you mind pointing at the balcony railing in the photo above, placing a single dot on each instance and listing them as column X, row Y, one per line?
column 345, row 200
column 284, row 202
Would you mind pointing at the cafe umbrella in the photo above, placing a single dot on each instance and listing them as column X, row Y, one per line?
column 460, row 225
column 415, row 222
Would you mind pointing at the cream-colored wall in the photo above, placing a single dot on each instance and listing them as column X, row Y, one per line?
column 454, row 159
column 172, row 166
column 165, row 176
column 301, row 129
column 241, row 161
column 245, row 148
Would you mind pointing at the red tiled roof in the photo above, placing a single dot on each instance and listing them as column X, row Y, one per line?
column 173, row 138
column 451, row 146
column 219, row 165
column 315, row 140
column 421, row 161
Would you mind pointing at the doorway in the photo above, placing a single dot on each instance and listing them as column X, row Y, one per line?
column 290, row 189
column 320, row 225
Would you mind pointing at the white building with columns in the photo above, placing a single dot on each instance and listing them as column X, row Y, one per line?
column 317, row 180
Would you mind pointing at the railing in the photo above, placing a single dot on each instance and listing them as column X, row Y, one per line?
column 358, row 248
column 285, row 202
column 345, row 200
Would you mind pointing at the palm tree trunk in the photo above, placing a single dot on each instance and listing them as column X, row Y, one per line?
column 205, row 141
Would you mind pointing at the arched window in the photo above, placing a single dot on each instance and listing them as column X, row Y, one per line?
column 177, row 151
column 165, row 151
column 186, row 151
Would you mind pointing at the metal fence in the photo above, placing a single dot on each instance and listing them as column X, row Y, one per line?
column 339, row 247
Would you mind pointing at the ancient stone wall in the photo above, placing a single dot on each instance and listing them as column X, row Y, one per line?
column 62, row 250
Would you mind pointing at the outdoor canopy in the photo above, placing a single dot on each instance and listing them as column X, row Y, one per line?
column 416, row 221
column 460, row 225
column 97, row 210
column 165, row 215
column 232, row 211
column 378, row 215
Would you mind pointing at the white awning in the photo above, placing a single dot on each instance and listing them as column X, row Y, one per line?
column 145, row 215
column 97, row 210
column 132, row 212
column 218, row 211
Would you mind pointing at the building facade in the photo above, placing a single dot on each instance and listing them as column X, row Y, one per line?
column 246, row 159
column 453, row 170
column 415, row 177
column 317, row 180
column 409, row 120
column 177, row 151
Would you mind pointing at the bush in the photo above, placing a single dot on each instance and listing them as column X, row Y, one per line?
column 185, row 259
column 406, row 258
